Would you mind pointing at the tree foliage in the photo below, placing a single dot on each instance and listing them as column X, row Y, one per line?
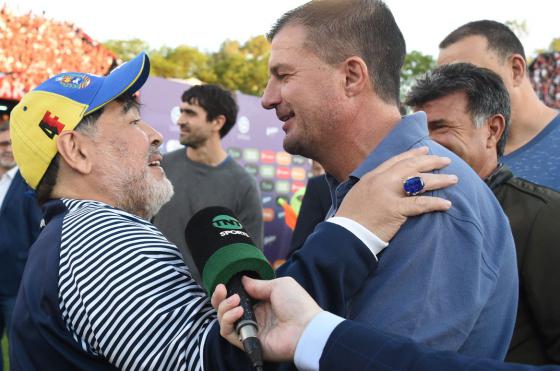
column 235, row 66
column 126, row 49
column 242, row 67
column 415, row 65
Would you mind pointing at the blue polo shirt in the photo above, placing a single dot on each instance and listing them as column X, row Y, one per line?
column 447, row 279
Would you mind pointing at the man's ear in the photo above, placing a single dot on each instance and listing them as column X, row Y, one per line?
column 518, row 68
column 357, row 78
column 218, row 122
column 76, row 150
column 496, row 127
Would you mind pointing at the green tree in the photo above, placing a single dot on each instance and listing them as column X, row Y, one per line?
column 257, row 50
column 181, row 62
column 242, row 67
column 126, row 49
column 415, row 65
column 236, row 66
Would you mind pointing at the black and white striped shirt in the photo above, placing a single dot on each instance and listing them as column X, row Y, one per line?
column 125, row 293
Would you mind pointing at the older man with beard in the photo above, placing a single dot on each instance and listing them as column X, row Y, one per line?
column 103, row 288
column 101, row 283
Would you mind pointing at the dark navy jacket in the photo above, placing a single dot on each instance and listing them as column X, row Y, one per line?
column 40, row 339
column 355, row 346
column 20, row 219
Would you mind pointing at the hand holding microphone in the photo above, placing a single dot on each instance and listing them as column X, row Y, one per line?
column 283, row 312
column 224, row 252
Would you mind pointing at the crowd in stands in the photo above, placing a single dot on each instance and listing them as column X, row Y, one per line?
column 34, row 48
column 545, row 78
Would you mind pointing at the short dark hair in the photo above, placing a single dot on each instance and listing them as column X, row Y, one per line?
column 485, row 90
column 87, row 126
column 216, row 101
column 338, row 29
column 499, row 36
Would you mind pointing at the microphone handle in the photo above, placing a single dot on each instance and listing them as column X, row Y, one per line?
column 246, row 327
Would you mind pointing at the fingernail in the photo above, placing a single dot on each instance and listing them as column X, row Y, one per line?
column 454, row 178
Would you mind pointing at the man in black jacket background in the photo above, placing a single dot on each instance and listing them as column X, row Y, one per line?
column 468, row 112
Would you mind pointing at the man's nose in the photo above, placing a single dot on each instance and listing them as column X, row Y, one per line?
column 271, row 96
column 155, row 137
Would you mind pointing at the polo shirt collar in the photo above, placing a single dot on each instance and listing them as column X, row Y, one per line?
column 409, row 131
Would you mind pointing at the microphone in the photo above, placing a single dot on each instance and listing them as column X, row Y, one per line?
column 224, row 252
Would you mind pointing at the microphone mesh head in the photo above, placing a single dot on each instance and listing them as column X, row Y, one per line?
column 221, row 248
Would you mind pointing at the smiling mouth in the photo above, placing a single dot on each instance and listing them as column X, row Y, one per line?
column 155, row 158
column 285, row 118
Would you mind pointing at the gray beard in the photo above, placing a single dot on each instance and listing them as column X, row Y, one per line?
column 139, row 194
column 144, row 197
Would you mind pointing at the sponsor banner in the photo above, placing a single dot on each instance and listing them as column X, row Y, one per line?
column 299, row 173
column 282, row 187
column 296, row 186
column 267, row 171
column 251, row 154
column 266, row 185
column 234, row 152
column 252, row 169
column 268, row 157
column 268, row 214
column 283, row 173
column 283, row 158
column 300, row 161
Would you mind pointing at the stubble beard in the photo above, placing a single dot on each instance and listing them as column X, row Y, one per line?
column 299, row 146
column 194, row 141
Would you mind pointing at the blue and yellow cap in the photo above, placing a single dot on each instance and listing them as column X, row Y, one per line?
column 59, row 104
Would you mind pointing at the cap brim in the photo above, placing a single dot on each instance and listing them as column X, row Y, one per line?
column 128, row 78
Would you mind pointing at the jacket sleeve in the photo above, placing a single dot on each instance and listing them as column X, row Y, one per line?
column 332, row 266
column 355, row 346
column 540, row 277
column 219, row 355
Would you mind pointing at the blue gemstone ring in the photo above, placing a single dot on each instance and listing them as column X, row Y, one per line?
column 413, row 185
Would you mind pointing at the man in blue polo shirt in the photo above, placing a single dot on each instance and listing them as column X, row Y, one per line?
column 449, row 279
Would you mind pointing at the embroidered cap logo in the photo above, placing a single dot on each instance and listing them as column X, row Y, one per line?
column 50, row 125
column 74, row 80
